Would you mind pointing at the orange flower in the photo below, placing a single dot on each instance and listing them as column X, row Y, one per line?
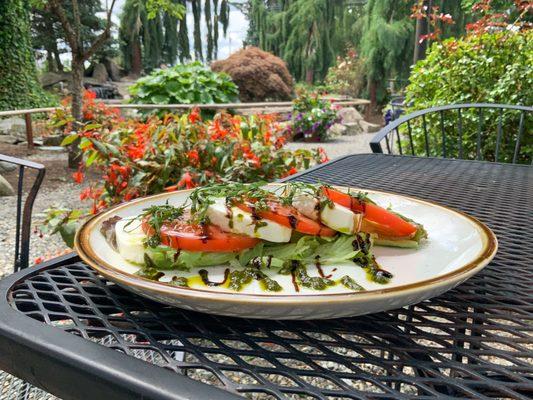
column 89, row 95
column 187, row 181
column 78, row 176
column 194, row 157
column 194, row 116
column 217, row 130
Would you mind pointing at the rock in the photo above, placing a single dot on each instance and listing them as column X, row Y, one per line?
column 349, row 115
column 49, row 79
column 7, row 167
column 14, row 126
column 9, row 139
column 5, row 188
column 113, row 69
column 100, row 73
column 337, row 130
column 53, row 140
column 369, row 127
column 353, row 128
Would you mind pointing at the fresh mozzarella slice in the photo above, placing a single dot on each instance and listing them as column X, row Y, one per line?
column 340, row 218
column 238, row 221
column 334, row 216
column 130, row 240
column 308, row 205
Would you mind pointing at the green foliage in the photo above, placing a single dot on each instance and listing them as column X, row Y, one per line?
column 154, row 7
column 184, row 84
column 491, row 68
column 386, row 43
column 347, row 76
column 307, row 34
column 142, row 158
column 19, row 85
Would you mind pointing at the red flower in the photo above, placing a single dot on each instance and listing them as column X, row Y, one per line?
column 88, row 115
column 293, row 171
column 217, row 130
column 78, row 176
column 194, row 157
column 323, row 156
column 194, row 116
column 89, row 95
column 187, row 181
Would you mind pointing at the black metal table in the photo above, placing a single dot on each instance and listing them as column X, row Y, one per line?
column 71, row 332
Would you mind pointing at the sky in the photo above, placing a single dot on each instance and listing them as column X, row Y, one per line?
column 238, row 25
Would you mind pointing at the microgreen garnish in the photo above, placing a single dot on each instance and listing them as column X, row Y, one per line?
column 233, row 192
column 155, row 216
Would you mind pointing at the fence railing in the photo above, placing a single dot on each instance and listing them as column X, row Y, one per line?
column 27, row 113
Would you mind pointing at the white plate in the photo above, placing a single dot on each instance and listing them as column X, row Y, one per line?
column 457, row 247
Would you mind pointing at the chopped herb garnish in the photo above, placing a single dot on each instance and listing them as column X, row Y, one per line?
column 155, row 217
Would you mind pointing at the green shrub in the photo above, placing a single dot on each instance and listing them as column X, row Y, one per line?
column 346, row 76
column 488, row 68
column 184, row 84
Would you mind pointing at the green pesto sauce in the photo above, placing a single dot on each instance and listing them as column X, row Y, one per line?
column 311, row 282
column 239, row 279
column 349, row 283
column 179, row 281
column 150, row 273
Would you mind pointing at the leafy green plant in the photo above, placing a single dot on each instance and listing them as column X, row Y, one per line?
column 311, row 118
column 142, row 158
column 347, row 75
column 487, row 68
column 184, row 84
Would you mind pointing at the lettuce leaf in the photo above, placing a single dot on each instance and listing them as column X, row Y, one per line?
column 302, row 248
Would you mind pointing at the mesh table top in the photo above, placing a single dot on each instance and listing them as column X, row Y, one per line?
column 474, row 341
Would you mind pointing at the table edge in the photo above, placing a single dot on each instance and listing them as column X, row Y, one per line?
column 32, row 351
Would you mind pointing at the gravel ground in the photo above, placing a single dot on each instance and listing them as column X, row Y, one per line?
column 340, row 146
column 64, row 196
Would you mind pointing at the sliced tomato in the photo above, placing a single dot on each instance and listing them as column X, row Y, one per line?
column 376, row 219
column 184, row 236
column 291, row 218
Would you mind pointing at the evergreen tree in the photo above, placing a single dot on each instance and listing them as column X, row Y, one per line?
column 387, row 35
column 19, row 85
column 307, row 34
column 196, row 12
column 149, row 35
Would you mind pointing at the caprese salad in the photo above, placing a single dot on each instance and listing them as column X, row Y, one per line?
column 252, row 230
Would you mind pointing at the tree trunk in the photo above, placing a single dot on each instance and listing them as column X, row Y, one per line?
column 59, row 64
column 372, row 92
column 421, row 29
column 74, row 154
column 136, row 58
column 309, row 76
column 50, row 63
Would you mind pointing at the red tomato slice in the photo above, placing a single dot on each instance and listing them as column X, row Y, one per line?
column 184, row 236
column 291, row 218
column 376, row 219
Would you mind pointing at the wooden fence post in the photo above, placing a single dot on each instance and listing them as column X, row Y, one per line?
column 29, row 131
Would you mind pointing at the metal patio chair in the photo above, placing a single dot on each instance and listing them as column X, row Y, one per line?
column 12, row 388
column 488, row 132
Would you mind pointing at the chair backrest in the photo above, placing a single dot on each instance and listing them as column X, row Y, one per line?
column 23, row 222
column 489, row 132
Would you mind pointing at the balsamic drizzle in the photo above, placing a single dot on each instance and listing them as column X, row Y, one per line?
column 205, row 278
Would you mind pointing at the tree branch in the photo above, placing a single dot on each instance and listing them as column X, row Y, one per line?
column 77, row 23
column 70, row 33
column 102, row 38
